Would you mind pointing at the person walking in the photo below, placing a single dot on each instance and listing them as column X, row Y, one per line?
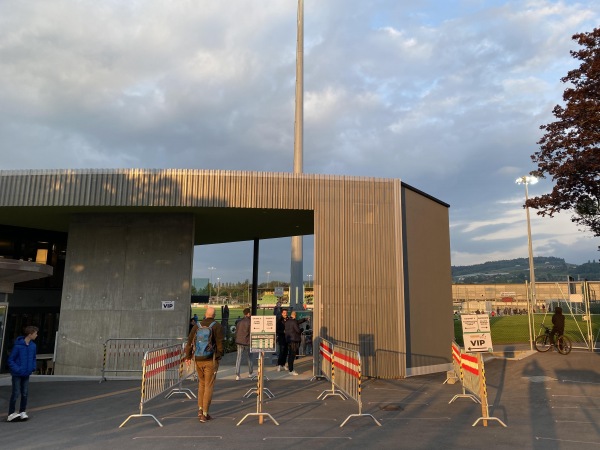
column 293, row 336
column 242, row 341
column 206, row 340
column 558, row 324
column 22, row 364
column 281, row 341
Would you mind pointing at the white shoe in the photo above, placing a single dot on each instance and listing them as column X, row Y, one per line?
column 279, row 368
column 237, row 378
column 293, row 372
column 13, row 416
column 250, row 375
column 24, row 416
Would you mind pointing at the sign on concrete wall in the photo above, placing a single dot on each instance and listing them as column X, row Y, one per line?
column 168, row 305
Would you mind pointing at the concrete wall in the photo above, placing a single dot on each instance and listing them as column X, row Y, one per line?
column 119, row 269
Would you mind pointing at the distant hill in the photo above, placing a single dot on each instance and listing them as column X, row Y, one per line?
column 547, row 268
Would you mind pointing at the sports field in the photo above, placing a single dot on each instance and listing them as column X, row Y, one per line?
column 515, row 330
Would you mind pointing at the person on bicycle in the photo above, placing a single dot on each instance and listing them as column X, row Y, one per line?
column 558, row 324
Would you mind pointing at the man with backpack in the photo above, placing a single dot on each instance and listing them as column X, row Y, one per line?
column 205, row 344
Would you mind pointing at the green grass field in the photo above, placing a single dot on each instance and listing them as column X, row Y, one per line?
column 514, row 329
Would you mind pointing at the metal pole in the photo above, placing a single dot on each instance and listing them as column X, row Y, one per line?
column 533, row 300
column 296, row 268
column 255, row 278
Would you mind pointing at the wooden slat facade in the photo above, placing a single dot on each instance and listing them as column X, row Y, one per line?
column 382, row 248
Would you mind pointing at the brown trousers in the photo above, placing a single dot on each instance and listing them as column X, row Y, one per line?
column 207, row 373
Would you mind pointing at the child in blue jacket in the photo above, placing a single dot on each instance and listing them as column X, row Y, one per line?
column 22, row 364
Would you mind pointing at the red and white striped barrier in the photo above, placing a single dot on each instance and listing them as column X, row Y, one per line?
column 162, row 369
column 472, row 377
column 345, row 375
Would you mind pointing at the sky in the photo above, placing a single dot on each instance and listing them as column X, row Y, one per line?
column 447, row 96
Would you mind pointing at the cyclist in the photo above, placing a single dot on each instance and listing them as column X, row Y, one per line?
column 558, row 324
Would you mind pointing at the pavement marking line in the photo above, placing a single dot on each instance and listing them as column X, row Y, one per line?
column 400, row 389
column 580, row 382
column 403, row 403
column 315, row 418
column 571, row 421
column 539, row 438
column 416, row 418
column 83, row 400
column 309, row 437
column 177, row 437
column 294, row 403
column 194, row 417
column 567, row 395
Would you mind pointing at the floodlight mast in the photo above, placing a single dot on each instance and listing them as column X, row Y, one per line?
column 296, row 269
column 527, row 180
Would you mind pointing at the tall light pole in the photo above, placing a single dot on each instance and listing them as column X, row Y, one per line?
column 296, row 269
column 218, row 287
column 268, row 273
column 210, row 281
column 527, row 180
column 309, row 276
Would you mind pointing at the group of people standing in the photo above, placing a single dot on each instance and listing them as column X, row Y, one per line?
column 289, row 336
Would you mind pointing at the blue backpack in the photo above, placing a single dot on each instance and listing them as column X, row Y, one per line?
column 205, row 342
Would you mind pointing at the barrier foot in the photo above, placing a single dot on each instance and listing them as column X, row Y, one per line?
column 255, row 391
column 317, row 377
column 453, row 379
column 472, row 397
column 255, row 377
column 185, row 391
column 330, row 392
column 260, row 415
column 490, row 418
column 141, row 415
column 359, row 415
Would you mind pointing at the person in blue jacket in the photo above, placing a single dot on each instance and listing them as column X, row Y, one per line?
column 22, row 364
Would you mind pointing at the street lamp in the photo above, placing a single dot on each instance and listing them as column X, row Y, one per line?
column 309, row 276
column 218, row 287
column 527, row 180
column 268, row 273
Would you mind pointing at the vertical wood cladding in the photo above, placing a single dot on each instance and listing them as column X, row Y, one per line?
column 360, row 260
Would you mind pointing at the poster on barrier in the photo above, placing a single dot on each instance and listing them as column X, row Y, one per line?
column 477, row 334
column 262, row 334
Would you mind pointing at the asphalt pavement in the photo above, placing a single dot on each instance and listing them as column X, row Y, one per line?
column 547, row 401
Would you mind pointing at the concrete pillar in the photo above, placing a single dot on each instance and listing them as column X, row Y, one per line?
column 119, row 270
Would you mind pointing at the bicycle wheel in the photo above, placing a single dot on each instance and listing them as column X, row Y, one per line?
column 542, row 343
column 564, row 345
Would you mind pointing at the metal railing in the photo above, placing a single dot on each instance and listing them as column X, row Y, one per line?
column 123, row 356
column 162, row 369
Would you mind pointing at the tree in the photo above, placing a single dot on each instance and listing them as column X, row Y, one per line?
column 570, row 148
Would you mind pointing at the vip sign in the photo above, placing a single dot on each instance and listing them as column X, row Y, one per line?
column 168, row 305
column 477, row 335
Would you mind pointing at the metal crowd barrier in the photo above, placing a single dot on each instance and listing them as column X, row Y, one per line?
column 162, row 369
column 456, row 372
column 123, row 356
column 325, row 369
column 471, row 373
column 345, row 373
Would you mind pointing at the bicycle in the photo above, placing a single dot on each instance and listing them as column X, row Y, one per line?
column 543, row 342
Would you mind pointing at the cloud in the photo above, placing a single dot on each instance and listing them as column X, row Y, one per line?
column 446, row 96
